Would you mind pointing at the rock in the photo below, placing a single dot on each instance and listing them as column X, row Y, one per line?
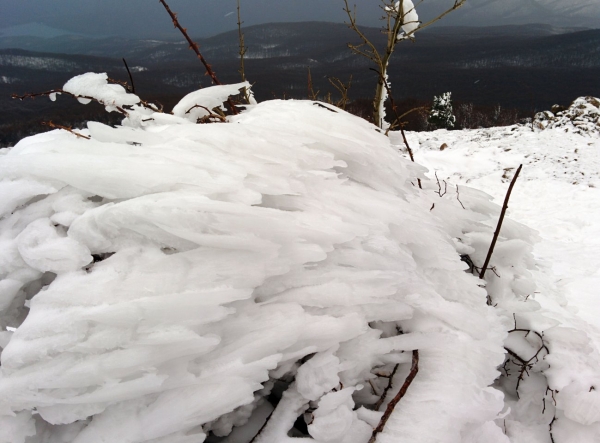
column 581, row 117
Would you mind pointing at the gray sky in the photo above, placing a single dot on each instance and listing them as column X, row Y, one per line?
column 147, row 18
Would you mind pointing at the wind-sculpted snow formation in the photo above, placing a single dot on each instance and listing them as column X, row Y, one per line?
column 166, row 281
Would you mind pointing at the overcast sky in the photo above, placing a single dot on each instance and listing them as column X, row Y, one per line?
column 147, row 18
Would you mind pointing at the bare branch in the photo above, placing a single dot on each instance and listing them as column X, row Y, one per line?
column 392, row 404
column 207, row 118
column 374, row 53
column 130, row 76
column 262, row 427
column 66, row 128
column 457, row 4
column 499, row 226
column 458, row 197
column 343, row 89
column 439, row 191
column 143, row 103
column 242, row 51
column 194, row 47
column 312, row 95
column 386, row 390
column 47, row 94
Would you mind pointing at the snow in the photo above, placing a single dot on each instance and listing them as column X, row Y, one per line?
column 8, row 80
column 96, row 86
column 166, row 281
column 557, row 194
column 582, row 117
column 43, row 63
column 410, row 18
column 209, row 98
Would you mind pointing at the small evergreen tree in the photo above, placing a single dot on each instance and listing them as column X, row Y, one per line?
column 441, row 115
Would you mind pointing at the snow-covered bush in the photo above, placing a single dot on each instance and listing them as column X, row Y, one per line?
column 581, row 117
column 260, row 279
column 442, row 114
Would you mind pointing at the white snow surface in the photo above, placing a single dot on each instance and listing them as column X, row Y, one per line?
column 165, row 281
column 410, row 18
column 557, row 193
column 96, row 86
column 200, row 103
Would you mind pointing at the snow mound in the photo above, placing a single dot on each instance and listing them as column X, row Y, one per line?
column 171, row 282
column 582, row 117
column 201, row 103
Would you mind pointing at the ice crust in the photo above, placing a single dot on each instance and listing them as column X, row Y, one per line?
column 161, row 290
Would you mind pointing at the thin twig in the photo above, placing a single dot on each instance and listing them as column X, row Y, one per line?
column 143, row 103
column 343, row 90
column 194, row 47
column 262, row 427
column 119, row 82
column 242, row 51
column 242, row 45
column 526, row 365
column 66, row 128
column 392, row 404
column 373, row 390
column 550, row 429
column 439, row 191
column 48, row 93
column 387, row 388
column 312, row 95
column 499, row 226
column 458, row 197
column 397, row 121
column 410, row 152
column 130, row 76
column 210, row 114
column 321, row 105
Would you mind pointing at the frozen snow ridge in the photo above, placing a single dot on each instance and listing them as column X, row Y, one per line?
column 167, row 282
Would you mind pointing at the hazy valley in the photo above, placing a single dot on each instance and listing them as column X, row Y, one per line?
column 526, row 68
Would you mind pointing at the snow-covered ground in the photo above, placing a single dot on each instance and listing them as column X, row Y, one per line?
column 276, row 278
column 558, row 194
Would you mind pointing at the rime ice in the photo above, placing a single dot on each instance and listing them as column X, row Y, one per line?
column 163, row 280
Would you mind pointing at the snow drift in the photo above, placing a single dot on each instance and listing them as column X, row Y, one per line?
column 166, row 281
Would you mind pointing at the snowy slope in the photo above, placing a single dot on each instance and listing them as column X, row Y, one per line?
column 558, row 194
column 269, row 278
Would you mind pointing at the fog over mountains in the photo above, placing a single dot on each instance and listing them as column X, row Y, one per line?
column 147, row 19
